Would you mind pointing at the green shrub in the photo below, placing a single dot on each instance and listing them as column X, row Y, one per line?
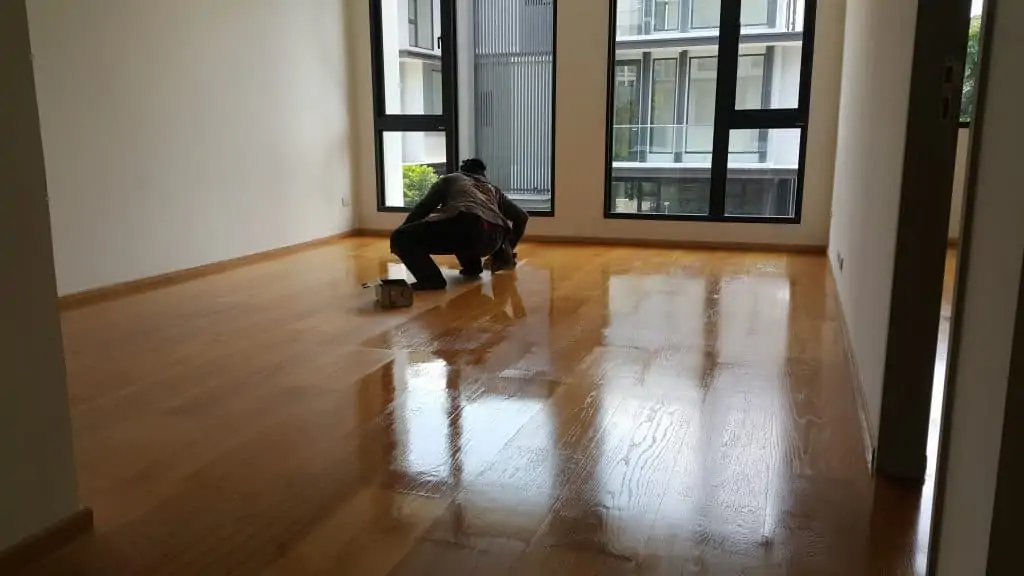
column 416, row 181
column 971, row 70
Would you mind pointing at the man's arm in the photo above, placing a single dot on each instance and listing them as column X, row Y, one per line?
column 514, row 214
column 426, row 206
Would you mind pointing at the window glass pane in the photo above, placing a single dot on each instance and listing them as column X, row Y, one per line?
column 699, row 133
column 509, row 83
column 629, row 17
column 753, row 13
column 763, row 172
column 408, row 53
column 751, row 90
column 666, row 15
column 663, row 133
column 624, row 196
column 781, row 67
column 667, row 195
column 626, row 120
column 424, row 24
column 432, row 90
column 413, row 161
column 971, row 64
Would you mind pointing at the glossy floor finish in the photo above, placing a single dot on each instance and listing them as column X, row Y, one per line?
column 601, row 410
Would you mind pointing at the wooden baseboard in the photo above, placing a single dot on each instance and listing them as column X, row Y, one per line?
column 646, row 243
column 372, row 232
column 867, row 435
column 120, row 290
column 46, row 542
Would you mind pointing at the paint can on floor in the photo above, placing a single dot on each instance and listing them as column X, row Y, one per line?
column 393, row 293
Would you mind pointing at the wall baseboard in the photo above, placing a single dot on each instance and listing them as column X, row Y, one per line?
column 114, row 291
column 647, row 243
column 46, row 542
column 867, row 436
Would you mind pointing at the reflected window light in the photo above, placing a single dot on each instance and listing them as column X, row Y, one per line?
column 509, row 492
column 753, row 326
column 422, row 429
column 655, row 312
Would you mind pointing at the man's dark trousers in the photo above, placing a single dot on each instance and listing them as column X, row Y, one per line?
column 467, row 236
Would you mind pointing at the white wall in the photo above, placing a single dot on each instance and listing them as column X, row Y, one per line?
column 37, row 469
column 990, row 300
column 182, row 133
column 868, row 177
column 580, row 133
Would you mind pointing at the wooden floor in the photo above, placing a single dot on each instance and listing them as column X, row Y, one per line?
column 602, row 410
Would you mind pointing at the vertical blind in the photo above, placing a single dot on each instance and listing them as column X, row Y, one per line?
column 514, row 84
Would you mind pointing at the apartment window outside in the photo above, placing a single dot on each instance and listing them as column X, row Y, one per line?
column 630, row 17
column 700, row 105
column 682, row 145
column 421, row 24
column 663, row 133
column 704, row 14
column 626, row 133
column 666, row 15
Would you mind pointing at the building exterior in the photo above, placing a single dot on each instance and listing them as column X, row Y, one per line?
column 664, row 99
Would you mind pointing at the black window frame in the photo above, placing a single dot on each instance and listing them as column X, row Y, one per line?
column 727, row 119
column 448, row 121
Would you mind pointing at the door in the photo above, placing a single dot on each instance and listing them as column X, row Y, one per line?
column 413, row 59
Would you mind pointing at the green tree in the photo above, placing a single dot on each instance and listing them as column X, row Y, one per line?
column 416, row 181
column 971, row 70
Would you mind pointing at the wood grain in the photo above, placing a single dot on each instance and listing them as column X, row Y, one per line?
column 601, row 410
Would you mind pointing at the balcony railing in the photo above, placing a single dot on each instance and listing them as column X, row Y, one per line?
column 677, row 143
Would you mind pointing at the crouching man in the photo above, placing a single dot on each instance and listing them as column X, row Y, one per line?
column 462, row 215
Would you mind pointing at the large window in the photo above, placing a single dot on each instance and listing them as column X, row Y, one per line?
column 498, row 104
column 710, row 124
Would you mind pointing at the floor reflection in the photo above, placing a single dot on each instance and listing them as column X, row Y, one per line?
column 697, row 426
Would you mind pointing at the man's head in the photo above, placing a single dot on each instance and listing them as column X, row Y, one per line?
column 474, row 166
